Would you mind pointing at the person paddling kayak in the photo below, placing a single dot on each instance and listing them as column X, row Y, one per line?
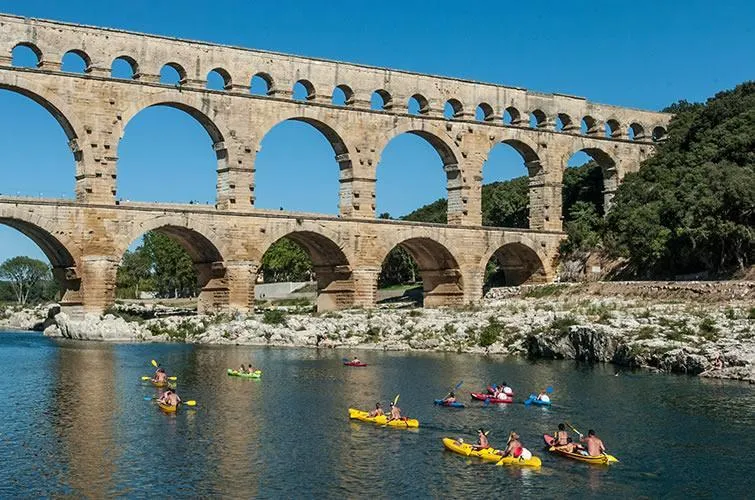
column 160, row 376
column 169, row 397
column 482, row 440
column 561, row 436
column 395, row 412
column 515, row 449
column 377, row 411
column 594, row 444
column 543, row 396
column 451, row 398
column 251, row 369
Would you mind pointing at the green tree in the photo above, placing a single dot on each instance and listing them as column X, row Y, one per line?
column 286, row 261
column 398, row 268
column 173, row 271
column 24, row 274
column 135, row 273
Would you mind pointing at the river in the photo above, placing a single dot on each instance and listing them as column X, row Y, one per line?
column 74, row 421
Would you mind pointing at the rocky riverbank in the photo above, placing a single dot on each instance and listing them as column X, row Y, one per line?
column 710, row 334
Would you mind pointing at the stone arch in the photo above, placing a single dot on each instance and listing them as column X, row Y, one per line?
column 224, row 75
column 659, row 133
column 538, row 119
column 422, row 103
column 589, row 125
column 131, row 63
column 456, row 108
column 309, row 89
column 331, row 266
column 613, row 128
column 442, row 281
column 31, row 46
column 512, row 116
column 637, row 131
column 484, row 112
column 201, row 244
column 381, row 99
column 83, row 56
column 348, row 94
column 178, row 69
column 565, row 121
column 266, row 79
column 516, row 263
column 609, row 167
column 56, row 246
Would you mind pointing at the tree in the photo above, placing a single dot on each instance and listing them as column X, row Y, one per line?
column 135, row 273
column 286, row 261
column 172, row 268
column 398, row 268
column 23, row 274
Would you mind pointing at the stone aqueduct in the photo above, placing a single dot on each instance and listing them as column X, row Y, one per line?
column 85, row 238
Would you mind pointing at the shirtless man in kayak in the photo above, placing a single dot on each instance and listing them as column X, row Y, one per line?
column 250, row 369
column 451, row 398
column 355, row 361
column 395, row 413
column 543, row 396
column 594, row 444
column 377, row 411
column 169, row 397
column 160, row 376
column 482, row 441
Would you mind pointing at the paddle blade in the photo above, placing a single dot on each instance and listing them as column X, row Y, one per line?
column 458, row 385
column 395, row 400
column 147, row 398
column 145, row 378
column 190, row 402
column 345, row 360
column 155, row 363
column 549, row 389
column 172, row 378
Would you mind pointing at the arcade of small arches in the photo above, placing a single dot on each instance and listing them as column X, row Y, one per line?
column 263, row 84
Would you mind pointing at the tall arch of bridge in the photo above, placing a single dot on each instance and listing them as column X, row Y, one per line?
column 93, row 107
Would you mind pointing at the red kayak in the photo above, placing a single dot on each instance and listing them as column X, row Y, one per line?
column 351, row 363
column 486, row 397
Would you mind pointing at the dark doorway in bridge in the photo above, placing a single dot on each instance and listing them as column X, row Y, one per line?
column 505, row 186
column 174, row 266
column 26, row 276
column 411, row 183
column 296, row 168
column 166, row 156
column 513, row 264
column 26, row 55
column 35, row 158
column 421, row 271
column 583, row 207
column 305, row 269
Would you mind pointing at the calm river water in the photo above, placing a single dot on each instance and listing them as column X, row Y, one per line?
column 74, row 422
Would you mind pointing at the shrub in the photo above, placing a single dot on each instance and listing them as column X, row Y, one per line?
column 646, row 332
column 415, row 313
column 751, row 314
column 372, row 334
column 708, row 329
column 552, row 290
column 562, row 324
column 490, row 333
column 274, row 317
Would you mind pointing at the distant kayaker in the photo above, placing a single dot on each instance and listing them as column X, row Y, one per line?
column 451, row 398
column 160, row 376
column 508, row 391
column 482, row 440
column 242, row 369
column 377, row 411
column 543, row 396
column 562, row 437
column 355, row 361
column 395, row 412
column 250, row 369
column 515, row 449
column 594, row 444
column 169, row 397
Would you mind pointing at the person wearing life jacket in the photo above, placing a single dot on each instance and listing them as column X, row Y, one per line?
column 482, row 440
column 451, row 398
column 515, row 449
column 378, row 411
column 506, row 390
column 594, row 444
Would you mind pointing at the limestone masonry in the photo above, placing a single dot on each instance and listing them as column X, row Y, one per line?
column 85, row 238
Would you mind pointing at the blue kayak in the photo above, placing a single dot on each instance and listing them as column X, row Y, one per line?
column 455, row 404
column 532, row 400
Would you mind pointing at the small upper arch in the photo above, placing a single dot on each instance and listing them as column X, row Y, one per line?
column 418, row 105
column 261, row 84
column 636, row 131
column 453, row 108
column 343, row 95
column 538, row 118
column 511, row 116
column 76, row 61
column 221, row 77
column 173, row 74
column 484, row 112
column 659, row 133
column 613, row 128
column 589, row 125
column 564, row 122
column 20, row 60
column 381, row 99
column 303, row 90
column 124, row 67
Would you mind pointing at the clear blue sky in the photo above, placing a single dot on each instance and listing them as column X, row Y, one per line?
column 644, row 54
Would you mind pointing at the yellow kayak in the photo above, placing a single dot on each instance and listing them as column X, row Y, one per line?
column 604, row 459
column 382, row 419
column 167, row 408
column 489, row 454
column 163, row 384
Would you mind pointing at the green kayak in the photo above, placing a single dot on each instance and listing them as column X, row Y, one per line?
column 235, row 373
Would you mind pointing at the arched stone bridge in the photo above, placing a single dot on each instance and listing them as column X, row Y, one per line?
column 86, row 237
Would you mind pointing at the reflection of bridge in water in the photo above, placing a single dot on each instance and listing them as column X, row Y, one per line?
column 85, row 239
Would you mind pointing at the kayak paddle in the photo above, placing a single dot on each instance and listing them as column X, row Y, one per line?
column 155, row 363
column 190, row 402
column 395, row 400
column 145, row 377
column 573, row 428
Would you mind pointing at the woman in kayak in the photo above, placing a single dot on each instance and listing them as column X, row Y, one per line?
column 515, row 449
column 543, row 396
column 377, row 411
column 482, row 440
column 561, row 437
